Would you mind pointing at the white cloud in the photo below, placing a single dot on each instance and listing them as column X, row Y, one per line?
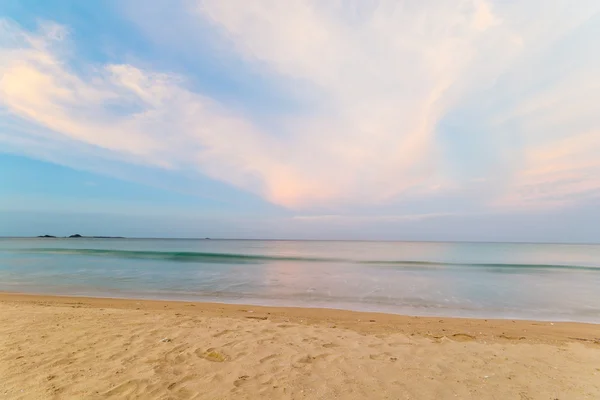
column 378, row 75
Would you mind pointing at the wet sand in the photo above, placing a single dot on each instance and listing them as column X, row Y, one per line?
column 70, row 347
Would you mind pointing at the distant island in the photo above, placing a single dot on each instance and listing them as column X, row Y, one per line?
column 77, row 235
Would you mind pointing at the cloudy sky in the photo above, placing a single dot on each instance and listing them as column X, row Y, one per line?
column 349, row 119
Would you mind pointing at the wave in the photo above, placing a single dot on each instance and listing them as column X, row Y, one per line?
column 232, row 258
column 178, row 255
column 482, row 265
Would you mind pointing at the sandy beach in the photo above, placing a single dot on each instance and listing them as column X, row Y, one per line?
column 86, row 348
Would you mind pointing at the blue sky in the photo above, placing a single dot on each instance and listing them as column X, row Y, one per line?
column 431, row 120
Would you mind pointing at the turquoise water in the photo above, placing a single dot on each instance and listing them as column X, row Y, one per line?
column 485, row 280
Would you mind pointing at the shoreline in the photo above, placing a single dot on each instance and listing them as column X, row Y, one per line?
column 454, row 328
column 386, row 309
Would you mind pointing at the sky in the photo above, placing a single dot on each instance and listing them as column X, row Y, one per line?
column 308, row 119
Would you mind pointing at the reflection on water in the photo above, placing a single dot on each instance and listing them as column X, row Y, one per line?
column 453, row 279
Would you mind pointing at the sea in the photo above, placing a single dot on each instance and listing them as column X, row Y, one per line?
column 549, row 282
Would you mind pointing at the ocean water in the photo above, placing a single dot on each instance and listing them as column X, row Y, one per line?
column 482, row 280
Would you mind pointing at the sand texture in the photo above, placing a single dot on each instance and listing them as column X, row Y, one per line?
column 80, row 348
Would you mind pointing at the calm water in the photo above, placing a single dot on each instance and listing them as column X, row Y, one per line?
column 534, row 281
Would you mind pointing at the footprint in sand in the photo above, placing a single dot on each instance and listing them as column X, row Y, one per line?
column 225, row 332
column 267, row 358
column 126, row 389
column 381, row 356
column 212, row 355
column 240, row 380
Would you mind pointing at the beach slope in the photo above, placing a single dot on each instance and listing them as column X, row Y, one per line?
column 63, row 348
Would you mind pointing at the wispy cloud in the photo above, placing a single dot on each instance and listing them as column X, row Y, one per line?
column 558, row 173
column 370, row 218
column 376, row 79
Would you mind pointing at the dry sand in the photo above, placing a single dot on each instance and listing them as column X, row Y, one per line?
column 82, row 348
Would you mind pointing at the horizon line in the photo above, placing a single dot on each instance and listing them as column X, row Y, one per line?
column 299, row 240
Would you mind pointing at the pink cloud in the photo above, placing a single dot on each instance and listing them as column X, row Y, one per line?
column 378, row 81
